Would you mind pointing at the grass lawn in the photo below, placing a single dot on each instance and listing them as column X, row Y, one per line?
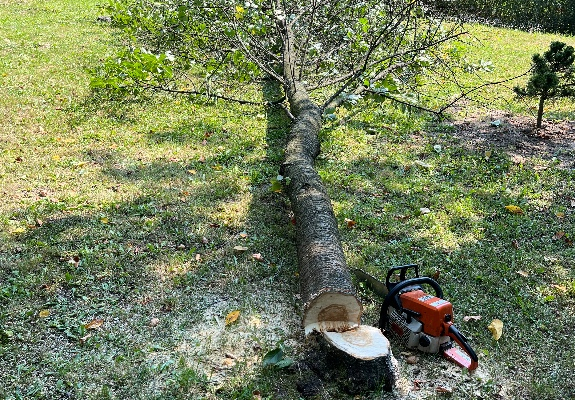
column 130, row 230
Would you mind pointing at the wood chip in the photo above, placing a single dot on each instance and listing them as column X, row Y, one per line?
column 412, row 360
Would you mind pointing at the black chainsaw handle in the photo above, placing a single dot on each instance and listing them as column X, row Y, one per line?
column 394, row 293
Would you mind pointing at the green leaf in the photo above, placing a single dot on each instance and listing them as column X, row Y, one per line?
column 286, row 362
column 276, row 358
column 273, row 357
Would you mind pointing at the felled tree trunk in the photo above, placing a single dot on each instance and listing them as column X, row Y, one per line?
column 330, row 305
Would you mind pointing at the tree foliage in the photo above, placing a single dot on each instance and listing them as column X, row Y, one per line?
column 342, row 50
column 552, row 75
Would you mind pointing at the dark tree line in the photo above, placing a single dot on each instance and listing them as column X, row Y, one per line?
column 546, row 15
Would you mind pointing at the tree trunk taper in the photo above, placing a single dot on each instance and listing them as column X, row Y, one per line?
column 330, row 305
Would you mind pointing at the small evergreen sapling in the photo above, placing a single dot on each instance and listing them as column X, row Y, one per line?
column 552, row 75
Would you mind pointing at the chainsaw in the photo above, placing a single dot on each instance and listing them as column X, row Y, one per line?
column 418, row 319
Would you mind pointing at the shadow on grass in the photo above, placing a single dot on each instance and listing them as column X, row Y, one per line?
column 164, row 266
column 178, row 250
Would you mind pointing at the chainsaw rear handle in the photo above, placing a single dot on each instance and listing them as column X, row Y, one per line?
column 454, row 333
column 392, row 298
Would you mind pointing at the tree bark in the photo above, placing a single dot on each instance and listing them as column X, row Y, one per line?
column 327, row 292
column 540, row 110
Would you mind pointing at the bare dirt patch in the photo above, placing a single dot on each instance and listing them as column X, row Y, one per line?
column 518, row 137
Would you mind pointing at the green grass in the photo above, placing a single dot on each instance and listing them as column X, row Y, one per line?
column 125, row 211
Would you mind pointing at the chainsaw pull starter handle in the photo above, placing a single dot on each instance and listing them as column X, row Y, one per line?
column 392, row 297
column 454, row 333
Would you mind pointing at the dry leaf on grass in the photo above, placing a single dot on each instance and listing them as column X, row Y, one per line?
column 443, row 389
column 496, row 328
column 94, row 324
column 232, row 317
column 258, row 257
column 468, row 318
column 412, row 359
column 558, row 235
column 514, row 209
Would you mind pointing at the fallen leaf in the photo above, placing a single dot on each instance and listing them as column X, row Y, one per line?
column 44, row 313
column 240, row 249
column 232, row 317
column 422, row 164
column 417, row 384
column 243, row 235
column 154, row 322
column 75, row 261
column 560, row 288
column 424, row 210
column 412, row 359
column 488, row 154
column 258, row 257
column 436, row 275
column 205, row 240
column 514, row 209
column 192, row 171
column 104, row 220
column 198, row 257
column 523, row 273
column 558, row 235
column 94, row 324
column 443, row 389
column 350, row 223
column 256, row 395
column 202, row 159
column 468, row 318
column 560, row 215
column 228, row 362
column 515, row 244
column 496, row 328
column 83, row 339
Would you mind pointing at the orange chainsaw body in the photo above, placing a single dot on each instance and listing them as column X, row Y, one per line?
column 433, row 311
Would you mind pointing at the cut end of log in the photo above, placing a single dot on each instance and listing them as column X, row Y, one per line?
column 332, row 312
column 363, row 342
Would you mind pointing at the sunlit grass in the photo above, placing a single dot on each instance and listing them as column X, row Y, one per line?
column 130, row 210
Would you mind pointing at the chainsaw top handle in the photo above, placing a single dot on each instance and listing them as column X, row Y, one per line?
column 392, row 299
column 402, row 272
